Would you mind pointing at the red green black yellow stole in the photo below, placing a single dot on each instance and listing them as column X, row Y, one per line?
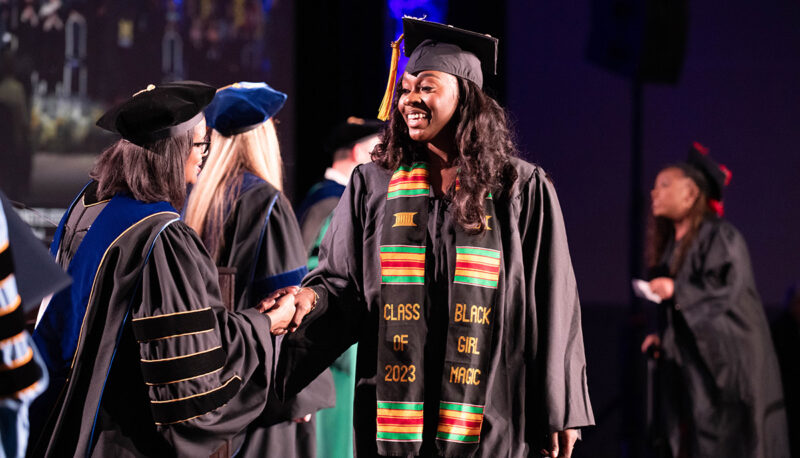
column 403, row 329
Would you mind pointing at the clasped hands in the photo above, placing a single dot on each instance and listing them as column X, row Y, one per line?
column 287, row 307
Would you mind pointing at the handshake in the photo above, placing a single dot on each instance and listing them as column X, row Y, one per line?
column 286, row 308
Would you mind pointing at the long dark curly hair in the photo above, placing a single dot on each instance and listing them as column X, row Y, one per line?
column 484, row 145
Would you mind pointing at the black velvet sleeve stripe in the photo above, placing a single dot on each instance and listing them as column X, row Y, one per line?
column 12, row 323
column 181, row 368
column 6, row 263
column 190, row 407
column 173, row 325
column 15, row 380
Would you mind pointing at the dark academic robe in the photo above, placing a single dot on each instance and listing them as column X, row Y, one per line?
column 144, row 359
column 314, row 215
column 719, row 375
column 536, row 381
column 261, row 239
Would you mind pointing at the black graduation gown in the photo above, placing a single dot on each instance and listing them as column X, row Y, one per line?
column 536, row 383
column 261, row 239
column 719, row 371
column 161, row 367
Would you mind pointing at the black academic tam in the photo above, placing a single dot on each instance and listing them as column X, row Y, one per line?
column 158, row 112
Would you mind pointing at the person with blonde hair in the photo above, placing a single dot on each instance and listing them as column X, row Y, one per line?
column 238, row 160
column 248, row 224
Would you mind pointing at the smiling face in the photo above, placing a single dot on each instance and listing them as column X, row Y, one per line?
column 195, row 160
column 427, row 102
column 673, row 194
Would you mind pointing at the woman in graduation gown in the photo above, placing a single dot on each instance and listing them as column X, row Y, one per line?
column 447, row 261
column 248, row 224
column 143, row 357
column 719, row 383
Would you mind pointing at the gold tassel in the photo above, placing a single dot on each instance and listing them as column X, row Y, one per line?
column 386, row 105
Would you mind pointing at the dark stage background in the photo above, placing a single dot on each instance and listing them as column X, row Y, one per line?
column 738, row 93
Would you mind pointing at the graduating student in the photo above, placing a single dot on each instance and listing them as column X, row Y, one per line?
column 144, row 359
column 247, row 224
column 351, row 143
column 447, row 261
column 720, row 387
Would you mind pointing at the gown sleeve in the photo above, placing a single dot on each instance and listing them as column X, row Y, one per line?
column 558, row 397
column 714, row 267
column 332, row 327
column 714, row 293
column 206, row 369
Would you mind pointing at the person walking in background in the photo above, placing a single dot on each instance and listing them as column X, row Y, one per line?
column 720, row 389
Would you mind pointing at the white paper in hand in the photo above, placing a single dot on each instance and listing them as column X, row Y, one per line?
column 642, row 289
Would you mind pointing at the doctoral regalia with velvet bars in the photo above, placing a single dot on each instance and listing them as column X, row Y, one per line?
column 151, row 364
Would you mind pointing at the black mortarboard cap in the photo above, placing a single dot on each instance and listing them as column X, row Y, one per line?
column 441, row 47
column 716, row 175
column 351, row 132
column 158, row 112
column 463, row 53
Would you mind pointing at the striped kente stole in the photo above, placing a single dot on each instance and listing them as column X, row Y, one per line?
column 403, row 330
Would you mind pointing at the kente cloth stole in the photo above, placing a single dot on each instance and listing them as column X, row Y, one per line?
column 402, row 330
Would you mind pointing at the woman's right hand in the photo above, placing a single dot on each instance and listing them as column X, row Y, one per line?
column 652, row 340
column 664, row 287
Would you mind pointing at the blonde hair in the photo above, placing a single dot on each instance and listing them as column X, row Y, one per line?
column 255, row 151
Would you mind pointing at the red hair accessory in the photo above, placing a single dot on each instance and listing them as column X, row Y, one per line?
column 717, row 206
column 700, row 148
column 728, row 174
